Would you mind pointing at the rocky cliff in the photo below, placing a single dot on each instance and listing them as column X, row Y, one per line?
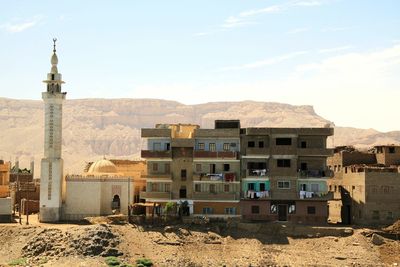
column 94, row 128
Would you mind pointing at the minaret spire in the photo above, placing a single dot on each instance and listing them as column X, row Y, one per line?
column 52, row 164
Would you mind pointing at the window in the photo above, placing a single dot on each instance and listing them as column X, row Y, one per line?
column 211, row 147
column 226, row 167
column 207, row 210
column 230, row 211
column 251, row 186
column 292, row 209
column 197, row 187
column 212, row 188
column 167, row 168
column 261, row 144
column 167, row 146
column 183, row 175
column 154, row 187
column 315, row 188
column 155, row 167
column 273, row 209
column 157, row 146
column 227, row 146
column 303, row 166
column 200, row 146
column 212, row 168
column 283, row 141
column 251, row 144
column 198, row 167
column 303, row 187
column 375, row 214
column 391, row 150
column 303, row 144
column 167, row 188
column 255, row 209
column 262, row 187
column 283, row 184
column 310, row 210
column 283, row 163
column 226, row 188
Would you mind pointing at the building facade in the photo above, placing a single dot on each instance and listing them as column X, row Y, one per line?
column 52, row 164
column 256, row 173
column 284, row 174
column 366, row 185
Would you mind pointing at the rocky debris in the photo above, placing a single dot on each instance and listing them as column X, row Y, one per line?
column 169, row 229
column 377, row 240
column 394, row 228
column 94, row 240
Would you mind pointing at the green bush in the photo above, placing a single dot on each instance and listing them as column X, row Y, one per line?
column 112, row 261
column 18, row 262
column 143, row 262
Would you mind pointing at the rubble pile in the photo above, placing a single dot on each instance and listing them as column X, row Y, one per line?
column 394, row 228
column 93, row 240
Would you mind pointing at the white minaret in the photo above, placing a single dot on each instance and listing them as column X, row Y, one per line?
column 52, row 164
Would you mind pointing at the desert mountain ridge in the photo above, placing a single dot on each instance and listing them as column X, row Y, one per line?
column 93, row 128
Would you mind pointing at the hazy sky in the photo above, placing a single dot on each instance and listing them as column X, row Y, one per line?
column 341, row 56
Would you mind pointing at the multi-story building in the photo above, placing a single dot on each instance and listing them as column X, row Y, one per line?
column 4, row 178
column 366, row 185
column 276, row 173
column 199, row 166
column 284, row 174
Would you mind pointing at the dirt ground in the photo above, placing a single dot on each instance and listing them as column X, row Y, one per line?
column 189, row 245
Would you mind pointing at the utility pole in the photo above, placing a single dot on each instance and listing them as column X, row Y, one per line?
column 129, row 197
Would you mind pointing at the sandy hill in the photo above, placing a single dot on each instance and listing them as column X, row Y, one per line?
column 111, row 127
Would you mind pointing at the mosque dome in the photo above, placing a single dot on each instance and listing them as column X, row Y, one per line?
column 102, row 166
column 54, row 59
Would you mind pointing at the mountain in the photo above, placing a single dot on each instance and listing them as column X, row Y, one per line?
column 94, row 128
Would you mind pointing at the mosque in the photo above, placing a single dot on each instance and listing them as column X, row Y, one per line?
column 104, row 187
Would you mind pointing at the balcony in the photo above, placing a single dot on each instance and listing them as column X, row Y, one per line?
column 215, row 177
column 323, row 152
column 215, row 154
column 265, row 151
column 315, row 173
column 308, row 195
column 156, row 154
column 256, row 173
column 254, row 195
column 284, row 150
column 156, row 195
column 216, row 196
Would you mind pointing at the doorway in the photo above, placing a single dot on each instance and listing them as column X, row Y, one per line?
column 116, row 203
column 182, row 192
column 282, row 212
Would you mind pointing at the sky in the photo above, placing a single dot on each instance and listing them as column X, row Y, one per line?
column 340, row 56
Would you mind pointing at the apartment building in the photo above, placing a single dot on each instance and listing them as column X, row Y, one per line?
column 198, row 166
column 284, row 174
column 366, row 185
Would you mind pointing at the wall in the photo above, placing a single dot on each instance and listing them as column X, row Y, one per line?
column 219, row 143
column 218, row 207
column 5, row 210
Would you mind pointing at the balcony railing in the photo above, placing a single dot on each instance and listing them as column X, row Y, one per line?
column 215, row 154
column 251, row 194
column 216, row 195
column 223, row 177
column 315, row 152
column 257, row 172
column 156, row 154
column 315, row 195
column 315, row 173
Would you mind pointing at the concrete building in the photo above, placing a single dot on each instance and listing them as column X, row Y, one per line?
column 259, row 173
column 284, row 174
column 4, row 178
column 102, row 189
column 366, row 186
column 52, row 164
column 197, row 166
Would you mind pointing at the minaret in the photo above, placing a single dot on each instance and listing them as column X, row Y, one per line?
column 52, row 164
